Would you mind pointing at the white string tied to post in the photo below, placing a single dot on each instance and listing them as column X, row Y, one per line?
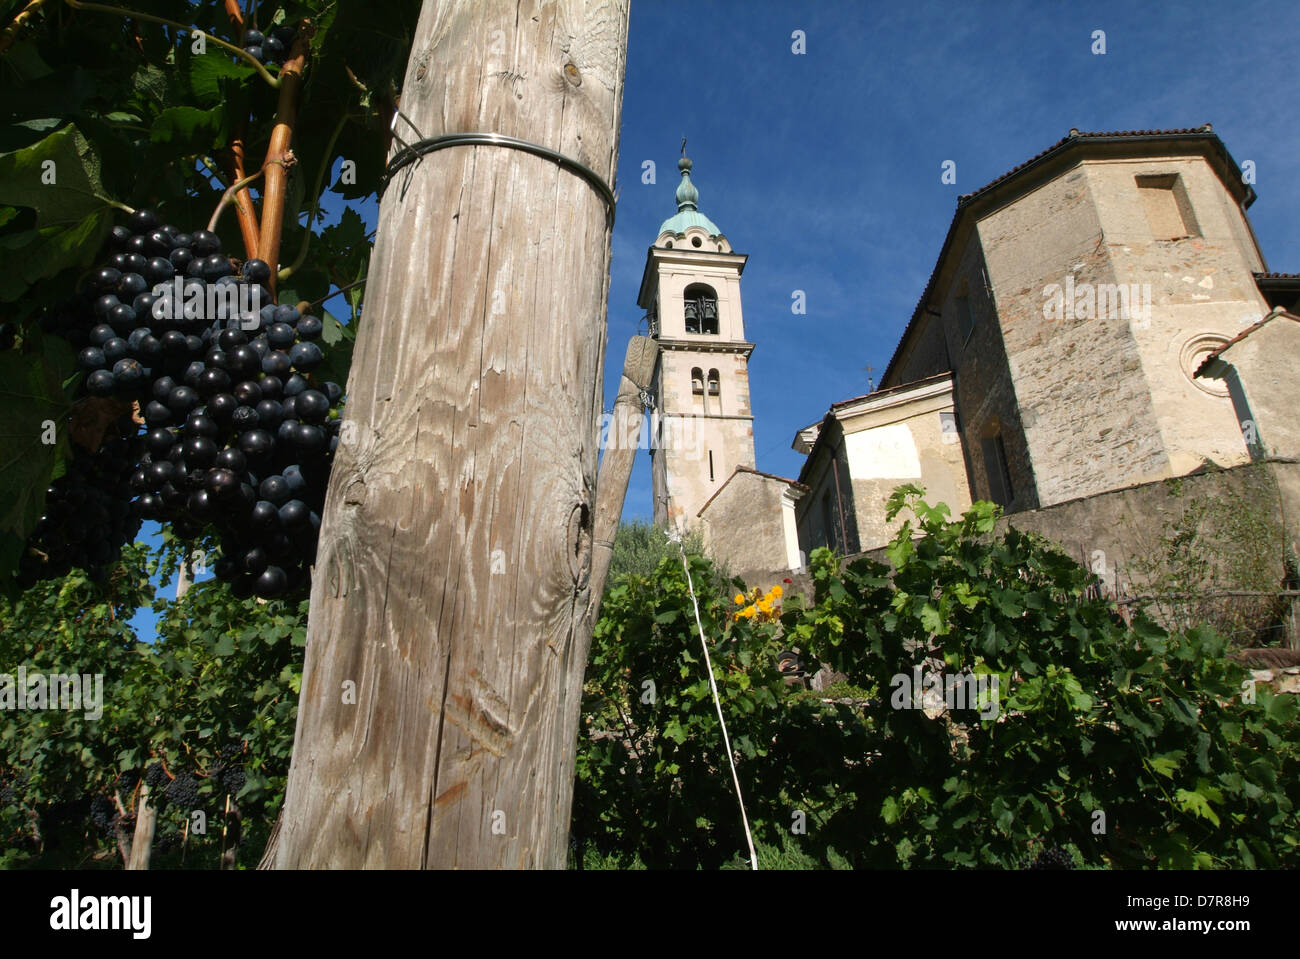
column 675, row 536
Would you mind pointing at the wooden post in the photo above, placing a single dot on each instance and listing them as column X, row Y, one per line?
column 449, row 625
column 618, row 459
column 146, row 821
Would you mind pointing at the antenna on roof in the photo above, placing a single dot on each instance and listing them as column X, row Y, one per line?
column 871, row 384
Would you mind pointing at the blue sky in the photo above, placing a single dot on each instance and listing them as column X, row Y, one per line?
column 825, row 167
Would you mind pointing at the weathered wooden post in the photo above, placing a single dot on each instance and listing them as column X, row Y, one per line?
column 449, row 622
column 621, row 444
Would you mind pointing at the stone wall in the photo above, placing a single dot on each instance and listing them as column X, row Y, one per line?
column 744, row 524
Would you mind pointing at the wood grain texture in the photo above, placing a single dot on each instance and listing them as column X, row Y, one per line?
column 619, row 457
column 451, row 585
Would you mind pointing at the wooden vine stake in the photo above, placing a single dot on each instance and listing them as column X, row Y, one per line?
column 450, row 624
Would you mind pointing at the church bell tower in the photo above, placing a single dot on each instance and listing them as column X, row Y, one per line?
column 691, row 293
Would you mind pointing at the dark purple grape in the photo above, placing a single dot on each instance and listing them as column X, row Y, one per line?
column 205, row 243
column 221, row 408
column 309, row 328
column 92, row 358
column 311, row 406
column 306, row 357
column 182, row 399
column 158, row 271
column 269, row 414
column 128, row 372
column 215, row 267
column 271, row 583
column 309, row 439
column 256, row 271
column 100, row 383
column 274, row 489
column 256, row 443
column 200, row 452
column 248, row 393
column 131, row 284
column 265, row 515
column 214, row 381
column 143, row 221
column 276, row 364
column 158, row 441
column 245, row 418
column 254, row 560
column 107, row 279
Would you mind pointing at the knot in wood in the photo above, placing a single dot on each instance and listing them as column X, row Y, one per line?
column 578, row 539
column 572, row 74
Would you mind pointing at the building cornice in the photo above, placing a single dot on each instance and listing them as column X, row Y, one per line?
column 739, row 348
column 656, row 255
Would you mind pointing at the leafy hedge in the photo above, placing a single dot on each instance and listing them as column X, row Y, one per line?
column 1123, row 744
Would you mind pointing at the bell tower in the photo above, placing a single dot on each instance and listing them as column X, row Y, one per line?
column 691, row 293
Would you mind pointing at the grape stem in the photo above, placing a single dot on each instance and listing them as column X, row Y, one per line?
column 341, row 289
column 278, row 154
column 18, row 23
column 134, row 15
column 248, row 226
column 230, row 193
column 315, row 203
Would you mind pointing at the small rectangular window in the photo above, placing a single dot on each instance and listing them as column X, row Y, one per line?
column 1168, row 209
column 710, row 466
column 948, row 427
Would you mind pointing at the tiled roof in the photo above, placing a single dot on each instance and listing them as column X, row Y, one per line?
column 749, row 469
column 1277, row 276
column 1074, row 137
column 1090, row 135
column 1211, row 357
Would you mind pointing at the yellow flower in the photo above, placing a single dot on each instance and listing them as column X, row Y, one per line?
column 777, row 591
column 740, row 598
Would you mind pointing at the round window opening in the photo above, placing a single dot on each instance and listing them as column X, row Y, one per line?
column 695, row 241
column 1195, row 352
column 669, row 244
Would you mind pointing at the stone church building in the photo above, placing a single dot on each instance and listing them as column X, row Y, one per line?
column 1099, row 317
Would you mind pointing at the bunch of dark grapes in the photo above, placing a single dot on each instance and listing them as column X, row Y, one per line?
column 270, row 49
column 1053, row 857
column 168, row 841
column 126, row 780
column 88, row 513
column 231, row 779
column 103, row 814
column 8, row 796
column 240, row 432
column 184, row 791
column 155, row 776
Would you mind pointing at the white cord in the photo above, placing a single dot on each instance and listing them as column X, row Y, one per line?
column 717, row 702
column 674, row 535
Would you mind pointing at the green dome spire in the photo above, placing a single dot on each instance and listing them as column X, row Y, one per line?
column 688, row 211
column 687, row 195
